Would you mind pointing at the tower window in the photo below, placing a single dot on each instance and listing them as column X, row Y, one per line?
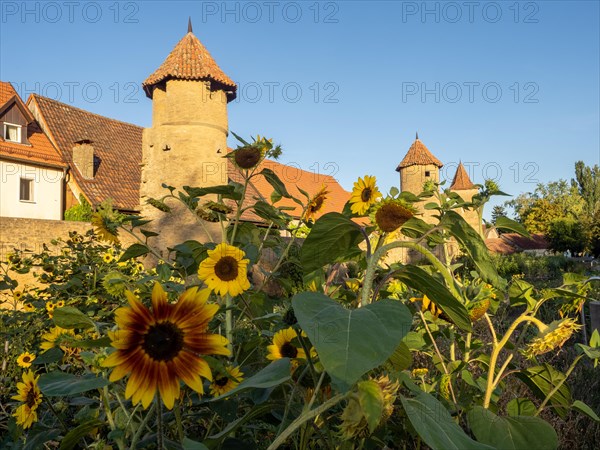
column 12, row 132
column 26, row 190
column 427, row 173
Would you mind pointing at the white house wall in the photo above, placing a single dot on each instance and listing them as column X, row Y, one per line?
column 47, row 191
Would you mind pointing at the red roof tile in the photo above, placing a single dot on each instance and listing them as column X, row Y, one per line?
column 536, row 242
column 117, row 150
column 40, row 150
column 461, row 179
column 190, row 60
column 420, row 155
column 498, row 245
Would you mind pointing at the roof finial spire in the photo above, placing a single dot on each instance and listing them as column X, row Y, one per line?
column 417, row 135
column 190, row 24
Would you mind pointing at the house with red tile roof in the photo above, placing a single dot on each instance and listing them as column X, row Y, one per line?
column 31, row 169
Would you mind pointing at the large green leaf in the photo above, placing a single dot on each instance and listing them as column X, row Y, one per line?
column 472, row 243
column 60, row 383
column 512, row 433
column 435, row 426
column 543, row 379
column 504, row 223
column 225, row 191
column 273, row 375
column 418, row 279
column 51, row 355
column 370, row 397
column 521, row 407
column 79, row 432
column 351, row 342
column 332, row 236
column 69, row 318
column 274, row 181
column 134, row 251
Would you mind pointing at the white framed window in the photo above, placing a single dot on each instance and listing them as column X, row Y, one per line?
column 26, row 190
column 12, row 132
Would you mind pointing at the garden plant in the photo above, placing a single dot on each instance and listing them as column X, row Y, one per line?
column 302, row 332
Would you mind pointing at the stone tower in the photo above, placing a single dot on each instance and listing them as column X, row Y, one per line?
column 418, row 166
column 462, row 185
column 188, row 138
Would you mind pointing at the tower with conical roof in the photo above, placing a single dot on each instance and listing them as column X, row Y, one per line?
column 418, row 166
column 188, row 138
column 463, row 186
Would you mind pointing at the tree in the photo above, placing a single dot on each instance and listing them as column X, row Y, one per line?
column 587, row 181
column 567, row 234
column 498, row 211
column 548, row 202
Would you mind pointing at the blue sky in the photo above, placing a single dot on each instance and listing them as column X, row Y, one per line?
column 510, row 88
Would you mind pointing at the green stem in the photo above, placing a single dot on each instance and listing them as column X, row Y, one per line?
column 229, row 322
column 140, row 429
column 159, row 424
column 305, row 417
column 558, row 385
column 179, row 424
column 109, row 416
column 497, row 348
column 467, row 354
column 379, row 253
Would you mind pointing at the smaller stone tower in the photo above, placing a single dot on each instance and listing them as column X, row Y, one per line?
column 462, row 185
column 418, row 166
column 188, row 138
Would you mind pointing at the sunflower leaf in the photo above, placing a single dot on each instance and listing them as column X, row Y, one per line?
column 274, row 181
column 351, row 342
column 273, row 375
column 134, row 251
column 59, row 383
column 332, row 237
column 435, row 426
column 69, row 318
column 73, row 437
column 511, row 433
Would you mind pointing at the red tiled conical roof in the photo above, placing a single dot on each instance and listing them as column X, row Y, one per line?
column 418, row 154
column 461, row 180
column 190, row 60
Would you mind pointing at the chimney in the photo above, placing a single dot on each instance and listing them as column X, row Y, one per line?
column 83, row 157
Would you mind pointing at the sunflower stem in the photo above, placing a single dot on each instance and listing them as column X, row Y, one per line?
column 229, row 322
column 141, row 427
column 159, row 424
column 179, row 423
column 308, row 415
column 109, row 416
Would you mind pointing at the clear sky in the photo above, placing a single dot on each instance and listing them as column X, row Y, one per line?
column 510, row 88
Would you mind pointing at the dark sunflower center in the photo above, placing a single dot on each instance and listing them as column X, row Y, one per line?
column 31, row 397
column 227, row 268
column 26, row 359
column 391, row 217
column 248, row 157
column 163, row 341
column 287, row 350
column 222, row 381
column 316, row 205
column 365, row 195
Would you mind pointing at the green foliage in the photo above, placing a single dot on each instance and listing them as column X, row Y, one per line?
column 548, row 202
column 567, row 234
column 81, row 212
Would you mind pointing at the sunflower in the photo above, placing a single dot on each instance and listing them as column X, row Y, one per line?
column 17, row 295
column 105, row 230
column 30, row 395
column 419, row 372
column 391, row 214
column 57, row 337
column 225, row 382
column 364, row 194
column 315, row 205
column 282, row 346
column 107, row 258
column 115, row 284
column 225, row 270
column 249, row 156
column 60, row 304
column 551, row 336
column 162, row 346
column 24, row 359
column 50, row 306
column 28, row 307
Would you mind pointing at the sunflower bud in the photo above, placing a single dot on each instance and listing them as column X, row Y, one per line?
column 218, row 207
column 249, row 156
column 391, row 214
column 551, row 336
column 478, row 310
column 161, row 206
column 445, row 386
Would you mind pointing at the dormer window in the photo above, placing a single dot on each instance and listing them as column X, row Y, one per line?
column 12, row 132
